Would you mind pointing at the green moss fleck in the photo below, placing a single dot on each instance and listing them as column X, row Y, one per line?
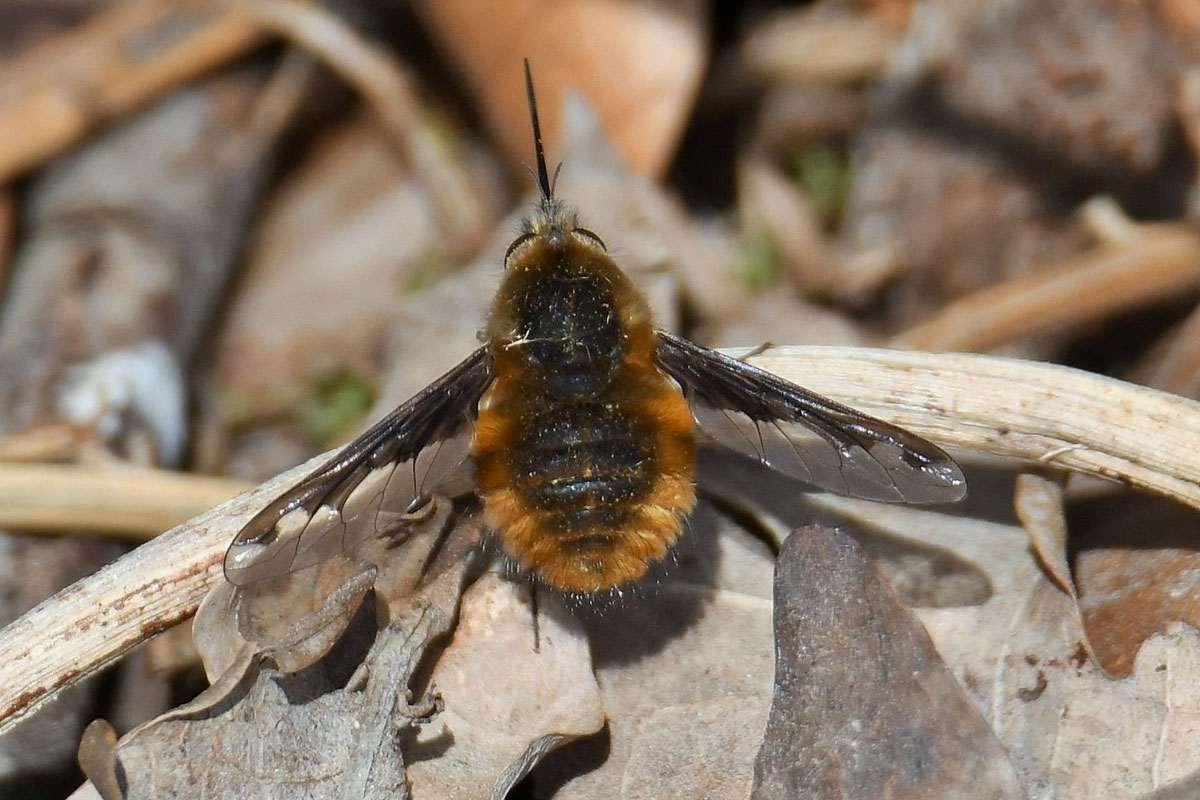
column 823, row 173
column 758, row 261
column 335, row 406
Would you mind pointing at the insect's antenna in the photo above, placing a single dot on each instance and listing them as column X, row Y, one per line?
column 543, row 177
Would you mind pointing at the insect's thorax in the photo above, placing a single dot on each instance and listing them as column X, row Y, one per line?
column 568, row 320
column 583, row 447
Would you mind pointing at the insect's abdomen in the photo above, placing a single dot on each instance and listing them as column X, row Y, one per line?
column 587, row 493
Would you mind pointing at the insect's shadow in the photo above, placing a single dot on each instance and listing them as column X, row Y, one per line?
column 924, row 574
column 639, row 620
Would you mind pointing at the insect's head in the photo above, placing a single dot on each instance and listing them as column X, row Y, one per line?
column 551, row 220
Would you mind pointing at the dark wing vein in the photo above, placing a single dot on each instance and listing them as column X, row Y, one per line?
column 362, row 490
column 801, row 434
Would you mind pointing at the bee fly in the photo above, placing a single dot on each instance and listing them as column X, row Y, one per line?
column 580, row 421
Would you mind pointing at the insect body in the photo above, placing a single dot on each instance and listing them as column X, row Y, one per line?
column 584, row 446
column 581, row 421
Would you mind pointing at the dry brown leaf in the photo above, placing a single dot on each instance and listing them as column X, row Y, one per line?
column 1137, row 572
column 1071, row 731
column 294, row 701
column 269, row 731
column 638, row 64
column 1038, row 501
column 863, row 705
column 98, row 759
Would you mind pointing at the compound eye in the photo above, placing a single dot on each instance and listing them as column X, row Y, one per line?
column 512, row 248
column 584, row 233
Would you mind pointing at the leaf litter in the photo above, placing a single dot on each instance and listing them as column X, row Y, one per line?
column 1054, row 655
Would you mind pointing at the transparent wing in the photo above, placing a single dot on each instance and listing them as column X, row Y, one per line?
column 367, row 487
column 801, row 434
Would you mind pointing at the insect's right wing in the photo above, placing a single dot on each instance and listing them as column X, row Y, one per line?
column 370, row 484
column 799, row 433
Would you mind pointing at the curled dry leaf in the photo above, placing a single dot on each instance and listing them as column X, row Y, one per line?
column 1039, row 505
column 98, row 759
column 639, row 65
column 863, row 705
column 1038, row 502
column 305, row 689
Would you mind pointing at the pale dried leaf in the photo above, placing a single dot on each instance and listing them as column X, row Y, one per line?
column 698, row 645
column 506, row 703
column 1071, row 731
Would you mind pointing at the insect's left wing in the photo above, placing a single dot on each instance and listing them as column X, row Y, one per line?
column 803, row 435
column 370, row 484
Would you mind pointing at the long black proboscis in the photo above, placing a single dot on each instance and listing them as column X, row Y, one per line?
column 543, row 175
